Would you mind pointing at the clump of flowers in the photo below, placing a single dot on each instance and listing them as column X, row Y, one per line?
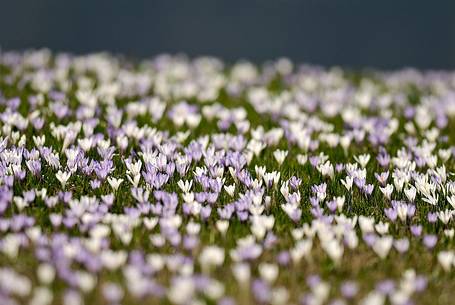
column 185, row 181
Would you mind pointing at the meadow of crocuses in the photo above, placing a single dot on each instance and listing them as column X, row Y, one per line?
column 192, row 181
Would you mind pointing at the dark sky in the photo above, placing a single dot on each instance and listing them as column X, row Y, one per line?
column 363, row 33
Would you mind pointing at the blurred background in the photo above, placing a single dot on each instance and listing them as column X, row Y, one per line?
column 351, row 33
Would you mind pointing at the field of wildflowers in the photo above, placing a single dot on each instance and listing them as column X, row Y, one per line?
column 191, row 181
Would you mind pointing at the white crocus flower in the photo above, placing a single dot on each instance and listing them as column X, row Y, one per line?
column 150, row 223
column 272, row 178
column 445, row 154
column 301, row 159
column 326, row 169
column 63, row 177
column 320, row 292
column 260, row 171
column 242, row 273
column 347, row 183
column 193, row 228
column 134, row 168
column 86, row 143
column 449, row 233
column 382, row 227
column 268, row 272
column 10, row 245
column 211, row 256
column 45, row 273
column 366, row 224
column 345, row 141
column 85, row 281
column 301, row 249
column 230, row 189
column 20, row 202
column 410, row 193
column 185, row 186
column 114, row 182
column 122, row 141
column 222, row 226
column 362, row 159
column 402, row 211
column 432, row 161
column 285, row 189
column 445, row 216
column 431, row 199
column 134, row 180
column 446, row 259
column 280, row 296
column 256, row 147
column 297, row 233
column 39, row 140
column 387, row 190
column 340, row 202
column 333, row 249
column 373, row 298
column 280, row 155
column 182, row 290
column 382, row 246
column 113, row 260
